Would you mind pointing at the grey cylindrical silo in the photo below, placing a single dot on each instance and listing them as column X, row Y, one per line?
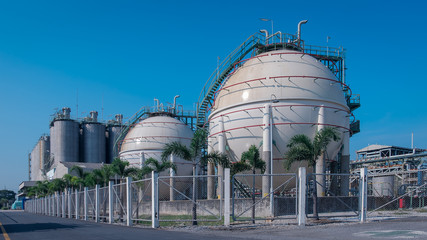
column 93, row 140
column 64, row 142
column 114, row 128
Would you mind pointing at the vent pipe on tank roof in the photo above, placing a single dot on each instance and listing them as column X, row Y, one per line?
column 266, row 35
column 119, row 118
column 66, row 112
column 299, row 28
column 94, row 116
column 174, row 102
column 157, row 104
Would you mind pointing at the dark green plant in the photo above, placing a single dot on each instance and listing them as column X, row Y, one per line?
column 192, row 154
column 302, row 148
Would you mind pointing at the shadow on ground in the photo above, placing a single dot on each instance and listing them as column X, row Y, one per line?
column 17, row 228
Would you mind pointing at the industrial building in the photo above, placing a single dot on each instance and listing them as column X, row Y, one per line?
column 394, row 170
column 88, row 144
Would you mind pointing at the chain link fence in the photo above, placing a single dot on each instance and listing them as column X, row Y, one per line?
column 141, row 201
column 254, row 199
column 184, row 199
column 336, row 195
column 396, row 194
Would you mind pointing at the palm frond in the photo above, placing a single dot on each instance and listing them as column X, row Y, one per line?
column 218, row 158
column 253, row 158
column 177, row 149
column 239, row 166
column 298, row 153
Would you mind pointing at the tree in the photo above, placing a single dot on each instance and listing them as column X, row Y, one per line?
column 192, row 154
column 56, row 185
column 253, row 159
column 7, row 197
column 67, row 180
column 154, row 165
column 301, row 148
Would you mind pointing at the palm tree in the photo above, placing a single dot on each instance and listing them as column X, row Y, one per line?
column 67, row 180
column 56, row 185
column 81, row 175
column 154, row 165
column 301, row 148
column 192, row 154
column 253, row 159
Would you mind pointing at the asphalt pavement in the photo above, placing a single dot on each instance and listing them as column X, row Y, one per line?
column 17, row 225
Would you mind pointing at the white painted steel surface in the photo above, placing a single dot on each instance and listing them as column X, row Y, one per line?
column 297, row 86
column 148, row 138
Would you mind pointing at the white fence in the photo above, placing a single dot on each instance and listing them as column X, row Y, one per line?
column 152, row 200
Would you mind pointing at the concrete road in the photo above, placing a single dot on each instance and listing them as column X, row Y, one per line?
column 17, row 225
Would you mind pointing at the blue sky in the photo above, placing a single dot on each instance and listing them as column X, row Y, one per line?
column 120, row 55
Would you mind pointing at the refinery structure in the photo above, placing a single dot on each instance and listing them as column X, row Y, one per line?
column 270, row 88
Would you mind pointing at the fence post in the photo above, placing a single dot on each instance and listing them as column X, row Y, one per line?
column 52, row 206
column 97, row 203
column 77, row 204
column 302, row 188
column 363, row 194
column 57, row 205
column 63, row 205
column 129, row 201
column 49, row 205
column 154, row 200
column 85, row 202
column 110, row 202
column 69, row 203
column 226, row 197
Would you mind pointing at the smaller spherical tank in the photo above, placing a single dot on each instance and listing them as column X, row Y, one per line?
column 148, row 138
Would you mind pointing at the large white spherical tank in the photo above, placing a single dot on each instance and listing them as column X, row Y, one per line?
column 304, row 96
column 148, row 138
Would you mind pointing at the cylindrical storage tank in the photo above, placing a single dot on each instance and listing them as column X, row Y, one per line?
column 148, row 138
column 297, row 92
column 383, row 186
column 93, row 142
column 40, row 159
column 64, row 140
column 113, row 131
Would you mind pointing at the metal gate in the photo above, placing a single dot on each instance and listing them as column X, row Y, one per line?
column 119, row 203
column 178, row 204
column 334, row 199
column 141, row 201
column 249, row 203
